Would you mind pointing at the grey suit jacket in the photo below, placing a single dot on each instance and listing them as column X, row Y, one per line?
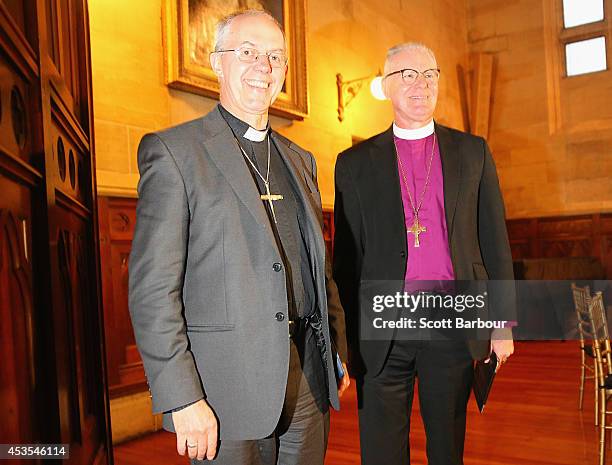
column 205, row 281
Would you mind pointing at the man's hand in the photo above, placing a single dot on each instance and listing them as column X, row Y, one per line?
column 196, row 431
column 503, row 346
column 344, row 382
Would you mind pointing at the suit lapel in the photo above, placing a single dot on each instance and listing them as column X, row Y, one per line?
column 451, row 170
column 383, row 162
column 303, row 191
column 221, row 146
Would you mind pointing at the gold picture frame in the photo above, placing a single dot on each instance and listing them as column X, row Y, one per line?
column 186, row 52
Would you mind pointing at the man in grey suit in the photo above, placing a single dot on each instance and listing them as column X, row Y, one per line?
column 235, row 313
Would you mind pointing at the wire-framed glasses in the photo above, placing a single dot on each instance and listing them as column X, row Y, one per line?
column 277, row 58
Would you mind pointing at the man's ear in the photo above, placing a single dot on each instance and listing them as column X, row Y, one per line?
column 215, row 64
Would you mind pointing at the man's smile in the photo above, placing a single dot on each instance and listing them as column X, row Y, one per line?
column 257, row 83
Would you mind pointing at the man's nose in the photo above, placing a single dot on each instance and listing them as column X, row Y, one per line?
column 263, row 64
column 421, row 81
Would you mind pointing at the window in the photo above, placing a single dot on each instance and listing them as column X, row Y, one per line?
column 578, row 12
column 585, row 36
column 585, row 56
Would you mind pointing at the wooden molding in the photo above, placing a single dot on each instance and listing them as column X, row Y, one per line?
column 132, row 417
column 554, row 70
column 480, row 108
column 112, row 184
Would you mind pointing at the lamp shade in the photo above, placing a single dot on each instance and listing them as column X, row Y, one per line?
column 376, row 88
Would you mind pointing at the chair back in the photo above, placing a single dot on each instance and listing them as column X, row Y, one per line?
column 582, row 297
column 601, row 337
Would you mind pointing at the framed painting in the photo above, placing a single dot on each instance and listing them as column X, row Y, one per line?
column 189, row 36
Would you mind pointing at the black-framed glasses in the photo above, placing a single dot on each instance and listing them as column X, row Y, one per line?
column 410, row 76
column 276, row 58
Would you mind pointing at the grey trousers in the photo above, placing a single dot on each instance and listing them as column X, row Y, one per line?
column 300, row 437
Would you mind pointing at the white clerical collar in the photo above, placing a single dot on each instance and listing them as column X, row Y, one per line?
column 255, row 135
column 414, row 134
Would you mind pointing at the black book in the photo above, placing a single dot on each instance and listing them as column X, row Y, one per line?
column 484, row 374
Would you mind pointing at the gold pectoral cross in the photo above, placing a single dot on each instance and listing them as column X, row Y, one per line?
column 269, row 197
column 416, row 229
column 272, row 197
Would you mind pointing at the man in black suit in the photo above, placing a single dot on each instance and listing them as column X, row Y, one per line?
column 419, row 201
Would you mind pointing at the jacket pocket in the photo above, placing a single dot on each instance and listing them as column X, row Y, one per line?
column 205, row 293
column 209, row 328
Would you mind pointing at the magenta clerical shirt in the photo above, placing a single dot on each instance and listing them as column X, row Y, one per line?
column 432, row 260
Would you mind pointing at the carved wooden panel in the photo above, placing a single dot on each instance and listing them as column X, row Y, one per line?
column 71, row 163
column 572, row 236
column 606, row 224
column 72, row 228
column 17, row 11
column 79, row 371
column 64, row 21
column 519, row 248
column 117, row 221
column 571, row 226
column 519, row 229
column 20, row 372
column 566, row 248
column 16, row 113
column 52, row 369
column 17, row 370
column 122, row 219
column 18, row 22
column 607, row 254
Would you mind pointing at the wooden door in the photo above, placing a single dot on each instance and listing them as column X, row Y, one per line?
column 52, row 374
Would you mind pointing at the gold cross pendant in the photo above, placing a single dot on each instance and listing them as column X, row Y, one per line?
column 271, row 197
column 416, row 229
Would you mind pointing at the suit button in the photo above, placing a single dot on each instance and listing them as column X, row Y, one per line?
column 403, row 254
column 277, row 267
column 279, row 316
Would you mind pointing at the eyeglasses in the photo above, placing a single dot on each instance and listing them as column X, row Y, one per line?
column 251, row 55
column 410, row 76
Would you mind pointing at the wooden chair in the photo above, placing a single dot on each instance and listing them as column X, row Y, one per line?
column 603, row 361
column 582, row 297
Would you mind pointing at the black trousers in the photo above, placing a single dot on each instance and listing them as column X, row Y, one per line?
column 445, row 372
column 300, row 437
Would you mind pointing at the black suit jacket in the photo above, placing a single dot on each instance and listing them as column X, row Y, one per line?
column 370, row 234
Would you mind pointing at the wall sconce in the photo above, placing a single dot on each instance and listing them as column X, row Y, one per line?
column 348, row 90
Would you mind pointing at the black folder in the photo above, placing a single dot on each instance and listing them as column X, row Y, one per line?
column 484, row 373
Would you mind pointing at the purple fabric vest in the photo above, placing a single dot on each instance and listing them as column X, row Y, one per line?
column 432, row 260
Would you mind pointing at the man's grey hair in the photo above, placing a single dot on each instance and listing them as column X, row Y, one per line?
column 224, row 24
column 408, row 46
